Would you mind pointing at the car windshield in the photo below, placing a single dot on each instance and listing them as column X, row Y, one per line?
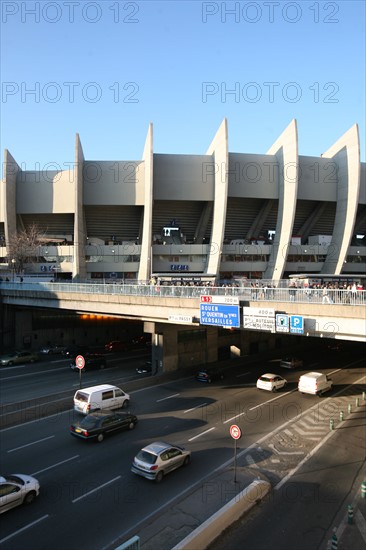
column 265, row 379
column 145, row 456
column 14, row 479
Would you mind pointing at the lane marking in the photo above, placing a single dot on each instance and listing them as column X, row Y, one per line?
column 169, row 397
column 194, row 408
column 54, row 465
column 23, row 528
column 199, row 435
column 96, row 489
column 257, row 406
column 244, row 374
column 29, row 444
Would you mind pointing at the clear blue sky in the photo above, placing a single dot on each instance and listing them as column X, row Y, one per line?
column 107, row 69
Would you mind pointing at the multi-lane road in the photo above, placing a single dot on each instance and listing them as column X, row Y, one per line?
column 89, row 496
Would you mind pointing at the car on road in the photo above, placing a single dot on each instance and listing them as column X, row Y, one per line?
column 209, row 375
column 99, row 424
column 73, row 350
column 335, row 346
column 18, row 358
column 291, row 363
column 159, row 459
column 52, row 349
column 315, row 383
column 116, row 345
column 101, row 397
column 271, row 382
column 93, row 361
column 142, row 341
column 16, row 489
column 146, row 368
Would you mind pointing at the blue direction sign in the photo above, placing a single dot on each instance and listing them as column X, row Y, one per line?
column 296, row 324
column 220, row 315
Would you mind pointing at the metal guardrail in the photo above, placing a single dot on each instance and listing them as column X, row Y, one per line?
column 245, row 293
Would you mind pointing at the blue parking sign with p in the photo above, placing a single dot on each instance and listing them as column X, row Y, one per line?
column 297, row 324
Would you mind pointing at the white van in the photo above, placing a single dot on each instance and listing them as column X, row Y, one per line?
column 101, row 397
column 314, row 383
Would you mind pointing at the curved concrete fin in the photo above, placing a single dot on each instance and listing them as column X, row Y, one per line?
column 346, row 154
column 285, row 149
column 9, row 195
column 219, row 150
column 79, row 263
column 146, row 260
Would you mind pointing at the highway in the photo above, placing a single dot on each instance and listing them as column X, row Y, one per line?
column 89, row 497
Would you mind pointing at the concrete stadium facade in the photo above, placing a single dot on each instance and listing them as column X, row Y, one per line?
column 221, row 216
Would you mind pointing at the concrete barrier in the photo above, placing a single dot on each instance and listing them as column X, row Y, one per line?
column 206, row 533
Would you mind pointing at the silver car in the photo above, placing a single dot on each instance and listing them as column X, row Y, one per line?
column 291, row 363
column 158, row 459
column 16, row 489
column 18, row 358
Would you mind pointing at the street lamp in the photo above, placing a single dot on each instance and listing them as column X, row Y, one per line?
column 13, row 262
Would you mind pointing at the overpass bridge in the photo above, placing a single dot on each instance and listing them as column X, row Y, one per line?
column 169, row 310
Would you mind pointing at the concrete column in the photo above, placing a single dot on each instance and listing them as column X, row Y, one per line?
column 286, row 150
column 220, row 157
column 212, row 344
column 79, row 264
column 346, row 153
column 146, row 244
column 9, row 196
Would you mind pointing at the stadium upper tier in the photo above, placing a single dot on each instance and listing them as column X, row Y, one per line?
column 221, row 215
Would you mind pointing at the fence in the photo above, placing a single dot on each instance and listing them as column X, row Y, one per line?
column 244, row 293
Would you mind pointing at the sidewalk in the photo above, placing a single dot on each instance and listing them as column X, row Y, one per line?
column 193, row 508
column 350, row 534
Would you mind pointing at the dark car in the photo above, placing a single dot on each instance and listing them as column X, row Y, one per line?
column 98, row 424
column 116, row 345
column 52, row 349
column 146, row 368
column 92, row 361
column 209, row 375
column 142, row 341
column 73, row 350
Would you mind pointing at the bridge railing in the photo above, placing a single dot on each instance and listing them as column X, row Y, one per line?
column 244, row 293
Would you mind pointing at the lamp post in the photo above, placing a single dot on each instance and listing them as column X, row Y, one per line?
column 13, row 262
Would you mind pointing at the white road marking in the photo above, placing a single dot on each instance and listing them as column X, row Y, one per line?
column 29, row 444
column 96, row 489
column 257, row 406
column 54, row 465
column 194, row 408
column 169, row 397
column 23, row 528
column 199, row 435
column 244, row 374
column 285, row 452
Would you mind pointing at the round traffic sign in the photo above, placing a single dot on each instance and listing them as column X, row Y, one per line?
column 80, row 362
column 235, row 431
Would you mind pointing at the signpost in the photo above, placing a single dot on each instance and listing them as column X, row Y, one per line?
column 80, row 363
column 235, row 433
column 259, row 318
column 296, row 324
column 220, row 315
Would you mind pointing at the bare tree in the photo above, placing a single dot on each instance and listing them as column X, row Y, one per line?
column 23, row 247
